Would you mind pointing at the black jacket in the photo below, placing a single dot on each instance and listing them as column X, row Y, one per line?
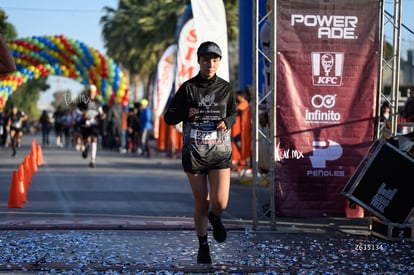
column 215, row 93
column 204, row 147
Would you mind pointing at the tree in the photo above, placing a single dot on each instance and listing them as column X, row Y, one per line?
column 27, row 95
column 137, row 33
column 6, row 29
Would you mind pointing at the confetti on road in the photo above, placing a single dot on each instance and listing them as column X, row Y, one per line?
column 174, row 252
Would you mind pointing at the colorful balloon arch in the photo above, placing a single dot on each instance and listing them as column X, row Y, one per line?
column 40, row 56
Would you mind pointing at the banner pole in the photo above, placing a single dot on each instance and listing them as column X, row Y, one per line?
column 273, row 121
column 255, row 115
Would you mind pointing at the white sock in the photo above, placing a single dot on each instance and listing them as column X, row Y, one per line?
column 94, row 147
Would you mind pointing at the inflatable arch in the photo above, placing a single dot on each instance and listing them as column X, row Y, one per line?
column 40, row 56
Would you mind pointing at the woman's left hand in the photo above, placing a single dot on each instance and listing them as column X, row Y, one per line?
column 221, row 126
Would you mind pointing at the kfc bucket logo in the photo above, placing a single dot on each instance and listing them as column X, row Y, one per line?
column 327, row 68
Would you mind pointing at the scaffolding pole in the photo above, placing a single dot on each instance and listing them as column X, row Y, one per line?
column 270, row 95
column 392, row 64
column 396, row 65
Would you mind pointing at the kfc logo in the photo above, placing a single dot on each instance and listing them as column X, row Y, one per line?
column 327, row 69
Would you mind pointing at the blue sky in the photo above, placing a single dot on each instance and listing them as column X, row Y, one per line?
column 79, row 19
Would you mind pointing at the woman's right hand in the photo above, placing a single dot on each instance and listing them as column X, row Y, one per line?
column 192, row 112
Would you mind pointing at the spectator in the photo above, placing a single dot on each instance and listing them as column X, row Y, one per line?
column 134, row 129
column 409, row 107
column 45, row 125
column 67, row 122
column 385, row 120
column 115, row 125
column 145, row 119
column 124, row 147
column 241, row 132
column 57, row 116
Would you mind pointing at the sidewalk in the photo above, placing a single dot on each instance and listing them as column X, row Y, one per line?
column 159, row 245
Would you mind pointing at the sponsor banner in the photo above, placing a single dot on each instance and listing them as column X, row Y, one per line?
column 164, row 83
column 327, row 72
column 187, row 65
column 165, row 78
column 211, row 25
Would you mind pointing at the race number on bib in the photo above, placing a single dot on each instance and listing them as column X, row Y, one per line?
column 204, row 137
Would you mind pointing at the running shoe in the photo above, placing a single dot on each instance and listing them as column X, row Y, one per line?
column 203, row 256
column 219, row 231
column 92, row 164
column 85, row 152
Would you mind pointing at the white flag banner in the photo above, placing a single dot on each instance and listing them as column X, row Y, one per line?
column 210, row 24
column 187, row 65
column 165, row 79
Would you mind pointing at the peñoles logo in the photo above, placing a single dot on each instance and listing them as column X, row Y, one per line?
column 329, row 26
column 323, row 152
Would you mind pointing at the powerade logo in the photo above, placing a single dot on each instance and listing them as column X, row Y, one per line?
column 322, row 112
column 327, row 68
column 328, row 26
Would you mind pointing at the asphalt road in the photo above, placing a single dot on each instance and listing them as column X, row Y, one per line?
column 121, row 185
column 133, row 215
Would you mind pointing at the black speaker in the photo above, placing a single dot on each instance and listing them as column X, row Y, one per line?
column 383, row 183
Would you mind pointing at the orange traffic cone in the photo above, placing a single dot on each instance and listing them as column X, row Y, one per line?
column 22, row 184
column 33, row 162
column 39, row 158
column 34, row 150
column 34, row 144
column 28, row 173
column 14, row 196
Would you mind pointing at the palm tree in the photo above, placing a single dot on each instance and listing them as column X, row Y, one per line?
column 137, row 33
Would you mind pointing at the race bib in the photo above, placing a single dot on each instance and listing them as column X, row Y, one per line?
column 201, row 137
column 17, row 124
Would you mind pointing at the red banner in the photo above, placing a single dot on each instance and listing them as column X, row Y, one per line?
column 327, row 71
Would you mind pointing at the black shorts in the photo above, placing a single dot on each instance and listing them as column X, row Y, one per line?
column 17, row 130
column 91, row 131
column 193, row 163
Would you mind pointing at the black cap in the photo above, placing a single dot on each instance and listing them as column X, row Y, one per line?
column 208, row 47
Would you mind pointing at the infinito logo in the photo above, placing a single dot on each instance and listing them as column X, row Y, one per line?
column 329, row 26
column 319, row 101
column 317, row 115
column 324, row 151
column 327, row 68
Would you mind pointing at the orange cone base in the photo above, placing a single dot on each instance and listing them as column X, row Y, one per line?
column 14, row 196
